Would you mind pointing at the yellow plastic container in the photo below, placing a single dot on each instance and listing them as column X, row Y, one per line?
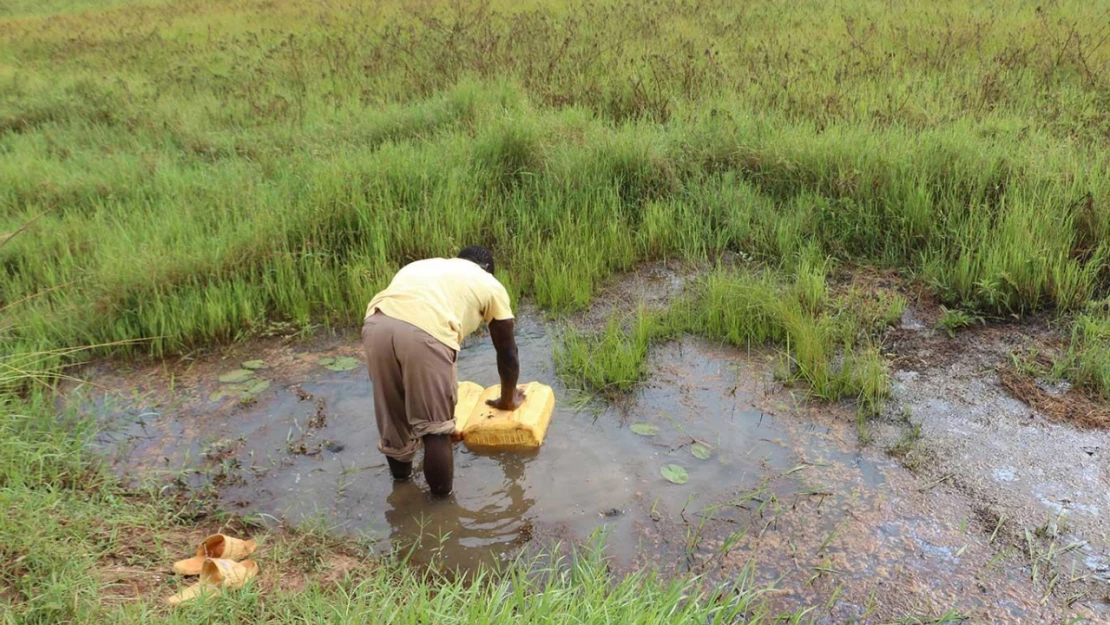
column 524, row 427
column 469, row 394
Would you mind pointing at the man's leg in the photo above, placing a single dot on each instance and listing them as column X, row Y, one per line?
column 399, row 470
column 396, row 440
column 439, row 463
column 431, row 390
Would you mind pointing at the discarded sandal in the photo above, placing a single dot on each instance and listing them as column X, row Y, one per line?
column 215, row 575
column 217, row 546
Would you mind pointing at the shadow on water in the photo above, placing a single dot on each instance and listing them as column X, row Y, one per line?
column 784, row 485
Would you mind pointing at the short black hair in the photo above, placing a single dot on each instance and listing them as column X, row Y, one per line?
column 479, row 256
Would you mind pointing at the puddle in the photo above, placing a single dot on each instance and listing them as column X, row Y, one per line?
column 786, row 486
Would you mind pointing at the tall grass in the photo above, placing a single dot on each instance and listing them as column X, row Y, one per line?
column 194, row 253
column 229, row 168
column 1086, row 361
column 829, row 342
column 615, row 359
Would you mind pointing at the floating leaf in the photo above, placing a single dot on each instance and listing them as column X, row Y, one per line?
column 701, row 451
column 343, row 363
column 674, row 474
column 234, row 377
column 257, row 387
column 326, row 361
column 645, row 429
column 231, row 390
column 254, row 364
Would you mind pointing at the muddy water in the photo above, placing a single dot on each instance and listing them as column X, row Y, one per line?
column 592, row 473
column 786, row 486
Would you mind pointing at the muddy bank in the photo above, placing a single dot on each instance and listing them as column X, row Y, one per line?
column 1038, row 484
column 773, row 481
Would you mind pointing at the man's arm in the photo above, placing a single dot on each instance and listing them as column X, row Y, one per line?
column 508, row 365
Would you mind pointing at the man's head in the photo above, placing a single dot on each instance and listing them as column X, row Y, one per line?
column 479, row 256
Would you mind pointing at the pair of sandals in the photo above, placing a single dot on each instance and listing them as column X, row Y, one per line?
column 220, row 562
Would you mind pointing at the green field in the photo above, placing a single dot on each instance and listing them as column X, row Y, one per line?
column 176, row 175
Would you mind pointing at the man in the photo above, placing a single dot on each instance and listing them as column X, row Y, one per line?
column 412, row 334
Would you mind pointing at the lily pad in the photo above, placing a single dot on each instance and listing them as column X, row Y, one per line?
column 674, row 474
column 343, row 363
column 227, row 390
column 325, row 361
column 645, row 429
column 234, row 377
column 242, row 390
column 701, row 451
column 254, row 364
column 256, row 387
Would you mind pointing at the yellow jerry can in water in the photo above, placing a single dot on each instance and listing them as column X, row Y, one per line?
column 524, row 427
column 469, row 394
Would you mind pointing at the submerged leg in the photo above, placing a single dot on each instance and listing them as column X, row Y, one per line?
column 439, row 464
column 399, row 470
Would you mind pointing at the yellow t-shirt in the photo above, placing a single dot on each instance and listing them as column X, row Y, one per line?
column 445, row 297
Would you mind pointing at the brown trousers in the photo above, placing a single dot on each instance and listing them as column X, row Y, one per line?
column 415, row 384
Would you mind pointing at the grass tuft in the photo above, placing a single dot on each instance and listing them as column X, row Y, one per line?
column 952, row 320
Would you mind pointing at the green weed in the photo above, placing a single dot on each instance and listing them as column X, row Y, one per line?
column 615, row 359
column 952, row 320
column 1086, row 362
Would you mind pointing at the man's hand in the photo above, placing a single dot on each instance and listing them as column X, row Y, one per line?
column 510, row 403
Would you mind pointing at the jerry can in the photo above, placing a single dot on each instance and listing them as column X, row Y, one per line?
column 469, row 393
column 487, row 427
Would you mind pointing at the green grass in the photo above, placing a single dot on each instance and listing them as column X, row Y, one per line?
column 1086, row 362
column 200, row 181
column 615, row 359
column 25, row 8
column 952, row 320
column 579, row 593
column 830, row 343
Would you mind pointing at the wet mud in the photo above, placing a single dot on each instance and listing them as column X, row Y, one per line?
column 774, row 482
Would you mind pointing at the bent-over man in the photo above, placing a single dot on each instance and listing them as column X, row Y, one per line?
column 412, row 335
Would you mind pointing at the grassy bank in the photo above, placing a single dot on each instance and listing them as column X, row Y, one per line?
column 222, row 169
column 175, row 174
column 188, row 253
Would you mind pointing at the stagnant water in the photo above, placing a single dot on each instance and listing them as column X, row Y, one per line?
column 786, row 487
